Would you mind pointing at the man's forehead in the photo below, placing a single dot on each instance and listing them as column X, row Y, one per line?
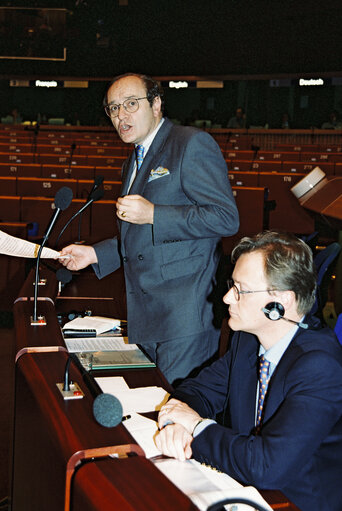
column 250, row 267
column 127, row 87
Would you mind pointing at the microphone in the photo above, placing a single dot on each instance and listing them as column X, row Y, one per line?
column 62, row 201
column 96, row 195
column 97, row 182
column 107, row 410
column 275, row 311
column 63, row 276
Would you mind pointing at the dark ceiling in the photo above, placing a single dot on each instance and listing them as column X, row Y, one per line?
column 193, row 37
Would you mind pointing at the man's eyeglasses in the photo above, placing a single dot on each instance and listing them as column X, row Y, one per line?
column 131, row 105
column 237, row 292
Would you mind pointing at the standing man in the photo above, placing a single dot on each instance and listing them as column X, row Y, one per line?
column 278, row 388
column 176, row 203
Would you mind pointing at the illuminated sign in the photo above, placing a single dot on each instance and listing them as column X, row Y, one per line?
column 312, row 81
column 178, row 85
column 50, row 83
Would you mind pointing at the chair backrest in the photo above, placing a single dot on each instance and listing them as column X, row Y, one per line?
column 324, row 262
column 338, row 328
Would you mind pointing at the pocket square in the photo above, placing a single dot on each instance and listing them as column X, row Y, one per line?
column 157, row 173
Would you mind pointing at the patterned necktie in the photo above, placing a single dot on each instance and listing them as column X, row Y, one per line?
column 140, row 155
column 263, row 384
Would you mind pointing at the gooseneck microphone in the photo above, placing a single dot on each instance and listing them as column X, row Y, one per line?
column 62, row 201
column 95, row 196
column 107, row 410
column 97, row 182
column 275, row 311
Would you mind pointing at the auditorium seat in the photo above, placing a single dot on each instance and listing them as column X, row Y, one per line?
column 53, row 149
column 239, row 155
column 10, row 209
column 103, row 220
column 17, row 158
column 8, row 185
column 9, row 147
column 109, row 173
column 288, row 214
column 64, row 171
column 249, row 179
column 278, row 155
column 12, row 273
column 101, row 151
column 236, row 165
column 40, row 209
column 266, row 166
column 111, row 189
column 250, row 203
column 315, row 156
column 56, row 159
column 306, row 166
column 40, row 187
column 106, row 161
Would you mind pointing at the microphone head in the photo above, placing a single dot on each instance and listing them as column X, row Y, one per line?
column 63, row 275
column 97, row 194
column 107, row 410
column 63, row 198
column 98, row 180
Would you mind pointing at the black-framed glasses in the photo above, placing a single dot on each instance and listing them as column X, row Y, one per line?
column 130, row 105
column 237, row 292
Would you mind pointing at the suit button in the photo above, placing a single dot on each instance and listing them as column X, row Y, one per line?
column 140, row 257
column 125, row 259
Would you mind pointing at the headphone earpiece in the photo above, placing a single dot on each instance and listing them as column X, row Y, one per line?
column 274, row 311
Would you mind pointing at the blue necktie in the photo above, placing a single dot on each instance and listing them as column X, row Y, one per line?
column 140, row 155
column 263, row 384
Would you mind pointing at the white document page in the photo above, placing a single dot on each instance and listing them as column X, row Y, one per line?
column 89, row 344
column 12, row 246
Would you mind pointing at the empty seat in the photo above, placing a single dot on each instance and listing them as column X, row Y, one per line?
column 249, row 179
column 66, row 171
column 10, row 209
column 288, row 215
column 8, row 185
column 40, row 187
column 109, row 173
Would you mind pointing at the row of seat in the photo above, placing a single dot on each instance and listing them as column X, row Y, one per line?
column 41, row 187
column 287, row 215
column 283, row 156
column 59, row 159
column 108, row 149
column 66, row 165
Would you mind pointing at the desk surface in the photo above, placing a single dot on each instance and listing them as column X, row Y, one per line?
column 48, row 432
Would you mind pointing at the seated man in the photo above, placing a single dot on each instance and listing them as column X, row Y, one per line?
column 278, row 390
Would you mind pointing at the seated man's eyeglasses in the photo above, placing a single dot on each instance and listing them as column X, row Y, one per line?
column 237, row 292
column 131, row 105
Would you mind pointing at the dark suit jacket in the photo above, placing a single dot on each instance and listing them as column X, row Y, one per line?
column 299, row 447
column 170, row 266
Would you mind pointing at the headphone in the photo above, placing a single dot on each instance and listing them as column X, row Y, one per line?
column 275, row 311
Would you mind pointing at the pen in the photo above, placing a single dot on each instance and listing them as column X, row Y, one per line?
column 125, row 417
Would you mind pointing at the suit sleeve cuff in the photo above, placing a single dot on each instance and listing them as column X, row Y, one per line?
column 201, row 426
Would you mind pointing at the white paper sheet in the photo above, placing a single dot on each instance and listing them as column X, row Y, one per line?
column 12, row 246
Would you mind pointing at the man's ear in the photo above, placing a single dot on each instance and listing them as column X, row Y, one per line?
column 156, row 106
column 287, row 298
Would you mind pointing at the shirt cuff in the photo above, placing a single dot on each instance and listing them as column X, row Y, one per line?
column 201, row 426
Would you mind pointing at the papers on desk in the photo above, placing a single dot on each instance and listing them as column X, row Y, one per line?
column 98, row 323
column 141, row 399
column 107, row 353
column 205, row 486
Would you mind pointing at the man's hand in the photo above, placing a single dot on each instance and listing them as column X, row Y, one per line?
column 80, row 256
column 176, row 412
column 135, row 209
column 174, row 441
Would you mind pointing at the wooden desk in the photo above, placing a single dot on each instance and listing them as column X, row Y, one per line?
column 49, row 433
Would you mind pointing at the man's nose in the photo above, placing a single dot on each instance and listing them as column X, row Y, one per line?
column 229, row 297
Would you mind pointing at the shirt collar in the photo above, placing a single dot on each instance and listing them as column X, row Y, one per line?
column 274, row 354
column 149, row 139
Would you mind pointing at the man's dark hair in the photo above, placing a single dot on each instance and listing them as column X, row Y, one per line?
column 153, row 88
column 288, row 264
